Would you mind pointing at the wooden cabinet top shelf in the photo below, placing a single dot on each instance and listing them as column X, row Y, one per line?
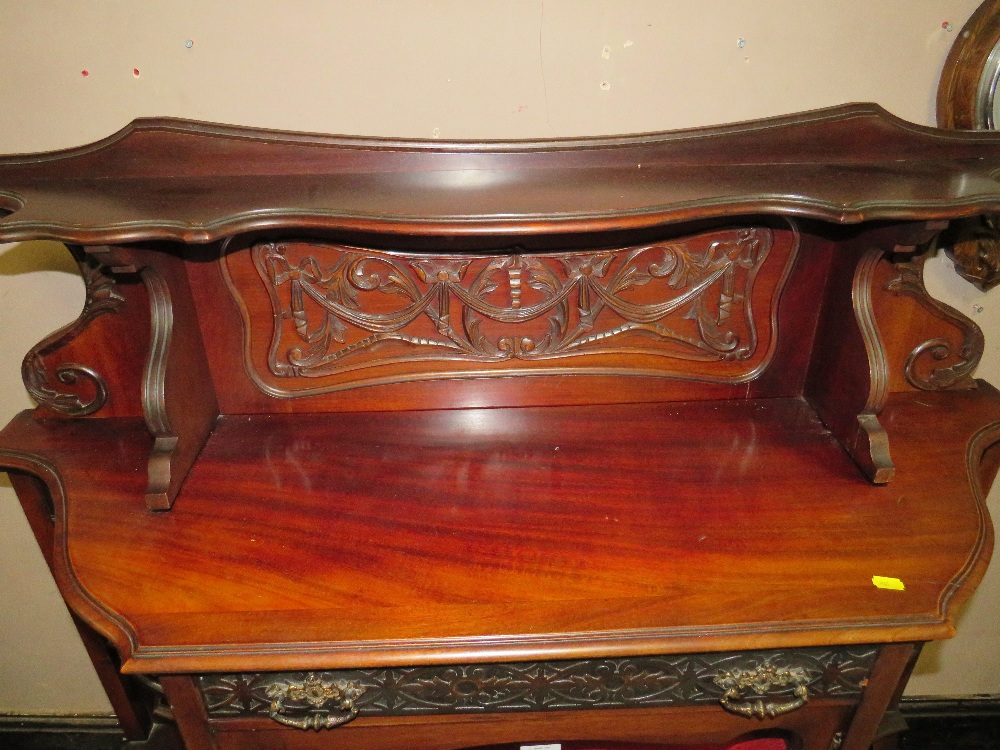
column 197, row 182
column 339, row 540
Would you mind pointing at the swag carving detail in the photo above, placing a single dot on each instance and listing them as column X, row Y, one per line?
column 338, row 308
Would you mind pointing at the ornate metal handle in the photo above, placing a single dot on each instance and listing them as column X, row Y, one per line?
column 313, row 694
column 759, row 681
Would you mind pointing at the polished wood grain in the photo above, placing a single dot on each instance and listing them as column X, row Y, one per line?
column 130, row 699
column 150, row 181
column 428, row 537
column 341, row 496
column 225, row 331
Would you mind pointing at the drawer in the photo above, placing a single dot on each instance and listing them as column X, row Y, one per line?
column 717, row 697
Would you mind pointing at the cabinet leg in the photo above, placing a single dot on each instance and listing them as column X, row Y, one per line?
column 189, row 712
column 885, row 684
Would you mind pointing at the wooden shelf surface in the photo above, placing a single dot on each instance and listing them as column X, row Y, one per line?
column 342, row 540
column 163, row 179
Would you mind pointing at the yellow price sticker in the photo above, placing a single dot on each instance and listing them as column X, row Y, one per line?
column 884, row 582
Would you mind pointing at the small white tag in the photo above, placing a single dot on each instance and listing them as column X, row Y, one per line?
column 557, row 746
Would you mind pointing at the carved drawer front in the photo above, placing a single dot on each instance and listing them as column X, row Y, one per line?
column 754, row 684
column 323, row 317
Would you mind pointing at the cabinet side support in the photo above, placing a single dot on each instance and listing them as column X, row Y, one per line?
column 88, row 367
column 848, row 382
column 178, row 399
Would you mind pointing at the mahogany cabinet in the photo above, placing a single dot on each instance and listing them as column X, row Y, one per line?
column 653, row 439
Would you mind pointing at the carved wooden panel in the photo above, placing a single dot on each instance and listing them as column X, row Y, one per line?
column 553, row 685
column 324, row 317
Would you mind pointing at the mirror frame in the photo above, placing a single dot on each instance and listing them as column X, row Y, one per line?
column 968, row 85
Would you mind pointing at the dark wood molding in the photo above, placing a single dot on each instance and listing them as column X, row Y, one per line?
column 14, row 722
column 932, row 706
column 806, row 165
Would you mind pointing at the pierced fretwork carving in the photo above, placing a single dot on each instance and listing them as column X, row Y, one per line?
column 101, row 297
column 556, row 685
column 682, row 308
column 581, row 299
column 938, row 363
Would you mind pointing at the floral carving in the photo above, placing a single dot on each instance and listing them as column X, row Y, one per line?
column 338, row 307
column 554, row 685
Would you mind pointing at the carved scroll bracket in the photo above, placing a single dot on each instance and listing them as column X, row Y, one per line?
column 88, row 391
column 938, row 363
column 974, row 246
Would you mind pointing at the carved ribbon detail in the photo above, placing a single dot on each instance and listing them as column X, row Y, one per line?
column 338, row 307
column 101, row 297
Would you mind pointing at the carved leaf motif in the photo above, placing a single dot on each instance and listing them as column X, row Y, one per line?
column 557, row 685
column 673, row 300
column 974, row 245
column 919, row 369
column 102, row 297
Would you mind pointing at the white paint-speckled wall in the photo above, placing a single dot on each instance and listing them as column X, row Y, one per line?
column 453, row 69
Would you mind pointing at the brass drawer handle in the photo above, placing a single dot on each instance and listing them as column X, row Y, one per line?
column 312, row 694
column 759, row 681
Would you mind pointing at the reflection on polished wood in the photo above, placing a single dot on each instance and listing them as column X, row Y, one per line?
column 442, row 536
column 445, row 445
